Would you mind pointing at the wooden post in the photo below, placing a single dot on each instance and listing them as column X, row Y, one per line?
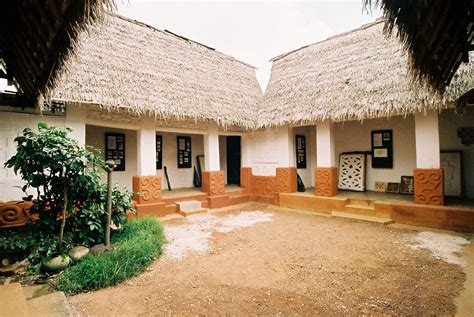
column 110, row 167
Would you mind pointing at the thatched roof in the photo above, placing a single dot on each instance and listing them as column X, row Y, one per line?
column 438, row 34
column 36, row 38
column 355, row 75
column 127, row 64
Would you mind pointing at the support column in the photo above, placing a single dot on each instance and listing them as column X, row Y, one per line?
column 76, row 120
column 246, row 169
column 325, row 174
column 146, row 147
column 286, row 174
column 428, row 175
column 147, row 184
column 213, row 178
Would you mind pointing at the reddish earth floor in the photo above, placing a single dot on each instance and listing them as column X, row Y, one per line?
column 283, row 262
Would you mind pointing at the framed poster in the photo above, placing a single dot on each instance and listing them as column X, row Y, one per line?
column 115, row 149
column 407, row 185
column 382, row 149
column 300, row 151
column 184, row 151
column 159, row 152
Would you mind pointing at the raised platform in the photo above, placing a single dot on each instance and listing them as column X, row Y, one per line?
column 397, row 207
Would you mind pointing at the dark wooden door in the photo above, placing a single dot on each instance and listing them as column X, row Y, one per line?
column 233, row 160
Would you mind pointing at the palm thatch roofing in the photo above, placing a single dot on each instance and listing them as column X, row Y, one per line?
column 127, row 64
column 355, row 75
column 438, row 34
column 36, row 37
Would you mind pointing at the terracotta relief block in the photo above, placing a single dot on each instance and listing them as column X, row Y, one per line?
column 429, row 186
column 263, row 185
column 246, row 177
column 213, row 183
column 148, row 189
column 14, row 213
column 325, row 179
column 286, row 180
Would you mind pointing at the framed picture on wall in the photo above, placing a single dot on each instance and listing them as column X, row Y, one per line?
column 300, row 151
column 407, row 185
column 382, row 149
column 115, row 149
column 159, row 152
column 184, row 151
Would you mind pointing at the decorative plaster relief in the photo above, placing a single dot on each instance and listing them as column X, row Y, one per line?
column 148, row 189
column 352, row 172
column 14, row 213
column 263, row 185
column 429, row 186
column 325, row 179
column 286, row 180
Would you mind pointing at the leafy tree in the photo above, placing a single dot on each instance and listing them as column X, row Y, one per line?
column 66, row 180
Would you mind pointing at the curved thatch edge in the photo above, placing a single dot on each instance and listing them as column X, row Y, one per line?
column 78, row 18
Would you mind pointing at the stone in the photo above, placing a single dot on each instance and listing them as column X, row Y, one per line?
column 14, row 268
column 57, row 263
column 98, row 249
column 77, row 253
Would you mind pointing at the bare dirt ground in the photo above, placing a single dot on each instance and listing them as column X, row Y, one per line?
column 273, row 262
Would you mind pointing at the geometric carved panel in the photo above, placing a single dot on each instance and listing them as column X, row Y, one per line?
column 263, row 185
column 429, row 186
column 213, row 183
column 352, row 172
column 286, row 180
column 148, row 189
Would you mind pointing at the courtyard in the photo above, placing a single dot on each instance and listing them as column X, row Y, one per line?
column 257, row 259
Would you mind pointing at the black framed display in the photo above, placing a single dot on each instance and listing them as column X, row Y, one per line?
column 159, row 152
column 115, row 149
column 300, row 151
column 184, row 151
column 382, row 149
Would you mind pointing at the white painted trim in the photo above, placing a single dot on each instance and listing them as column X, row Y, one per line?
column 325, row 148
column 146, row 148
column 427, row 140
column 211, row 149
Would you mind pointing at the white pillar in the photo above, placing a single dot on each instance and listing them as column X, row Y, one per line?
column 211, row 150
column 245, row 151
column 427, row 140
column 286, row 147
column 325, row 150
column 76, row 120
column 146, row 147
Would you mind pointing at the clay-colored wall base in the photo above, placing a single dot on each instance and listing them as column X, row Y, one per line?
column 325, row 181
column 154, row 209
column 312, row 203
column 213, row 183
column 429, row 186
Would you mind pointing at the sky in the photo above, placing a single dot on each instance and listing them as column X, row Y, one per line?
column 252, row 31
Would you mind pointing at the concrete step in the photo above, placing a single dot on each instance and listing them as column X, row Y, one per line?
column 171, row 208
column 51, row 305
column 170, row 217
column 359, row 210
column 360, row 202
column 35, row 291
column 12, row 301
column 381, row 220
column 239, row 199
column 192, row 212
column 189, row 205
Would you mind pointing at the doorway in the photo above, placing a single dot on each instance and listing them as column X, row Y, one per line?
column 233, row 159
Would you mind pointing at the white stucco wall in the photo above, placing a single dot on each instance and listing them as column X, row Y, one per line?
column 449, row 122
column 11, row 125
column 223, row 155
column 263, row 151
column 179, row 177
column 95, row 136
column 356, row 136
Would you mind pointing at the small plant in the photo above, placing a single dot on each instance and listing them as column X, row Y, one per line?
column 135, row 248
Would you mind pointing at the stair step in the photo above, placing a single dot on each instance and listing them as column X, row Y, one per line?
column 51, row 305
column 192, row 212
column 31, row 292
column 381, row 220
column 361, row 207
column 189, row 205
column 360, row 202
column 12, row 301
column 170, row 217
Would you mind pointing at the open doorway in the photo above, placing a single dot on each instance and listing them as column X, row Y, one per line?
column 233, row 159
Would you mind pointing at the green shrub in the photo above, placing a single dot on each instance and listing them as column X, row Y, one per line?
column 52, row 164
column 136, row 247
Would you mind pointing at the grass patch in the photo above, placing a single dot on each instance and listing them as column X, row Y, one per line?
column 140, row 242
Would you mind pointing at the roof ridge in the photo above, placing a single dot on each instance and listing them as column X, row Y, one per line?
column 360, row 28
column 183, row 38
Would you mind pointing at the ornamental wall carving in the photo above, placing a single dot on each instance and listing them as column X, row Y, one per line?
column 429, row 186
column 148, row 189
column 325, row 179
